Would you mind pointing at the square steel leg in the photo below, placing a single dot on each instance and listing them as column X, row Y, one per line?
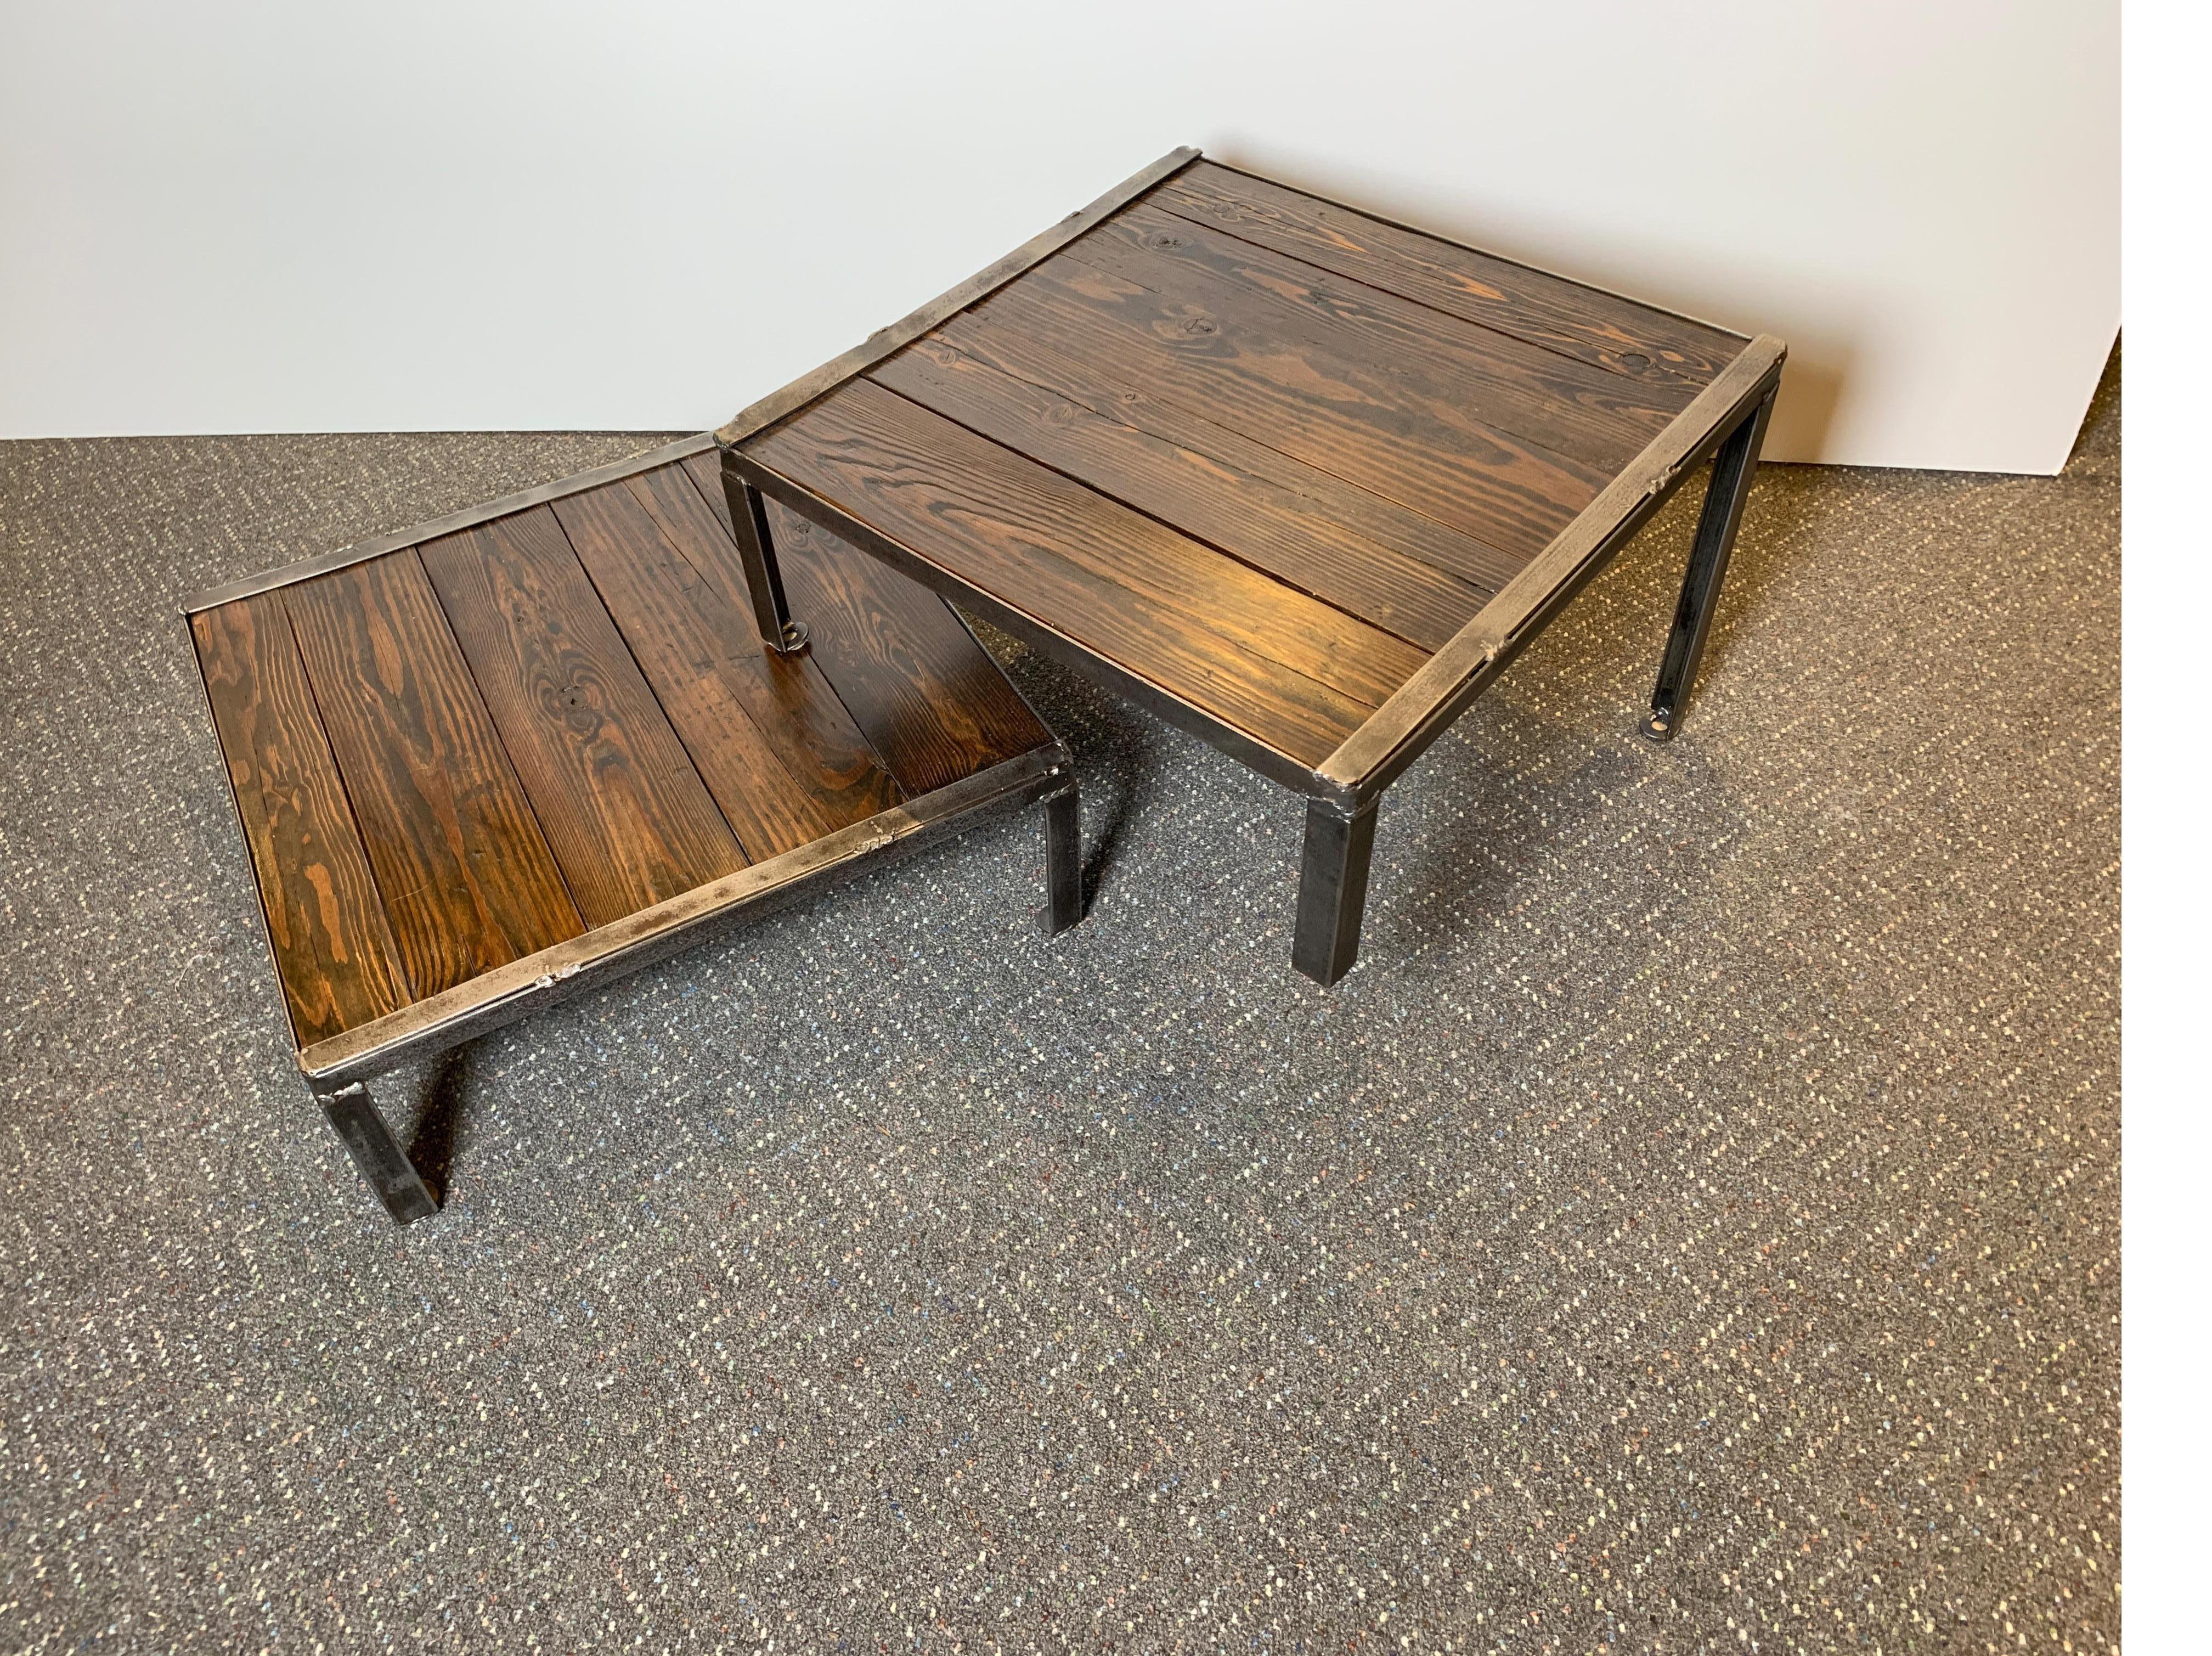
column 757, row 552
column 1063, row 861
column 383, row 1163
column 1333, row 889
column 1709, row 559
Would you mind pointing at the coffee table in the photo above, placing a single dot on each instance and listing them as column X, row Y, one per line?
column 487, row 762
column 1301, row 480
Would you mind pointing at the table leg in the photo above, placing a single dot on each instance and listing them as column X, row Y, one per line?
column 764, row 579
column 1709, row 556
column 354, row 1117
column 1333, row 889
column 1063, row 861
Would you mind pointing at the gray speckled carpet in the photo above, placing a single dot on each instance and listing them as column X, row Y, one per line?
column 1694, row 1227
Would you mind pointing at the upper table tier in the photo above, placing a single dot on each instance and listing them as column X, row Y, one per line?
column 1257, row 457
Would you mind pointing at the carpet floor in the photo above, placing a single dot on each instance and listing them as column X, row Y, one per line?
column 1693, row 1227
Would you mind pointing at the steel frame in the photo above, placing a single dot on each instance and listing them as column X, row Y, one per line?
column 1729, row 414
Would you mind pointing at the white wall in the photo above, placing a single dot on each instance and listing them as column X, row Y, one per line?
column 231, row 217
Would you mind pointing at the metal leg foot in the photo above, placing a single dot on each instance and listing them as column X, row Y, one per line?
column 757, row 552
column 1063, row 861
column 1333, row 889
column 1708, row 558
column 378, row 1155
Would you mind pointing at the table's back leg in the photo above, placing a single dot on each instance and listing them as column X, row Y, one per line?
column 764, row 579
column 1708, row 558
column 1332, row 889
column 1063, row 861
column 353, row 1115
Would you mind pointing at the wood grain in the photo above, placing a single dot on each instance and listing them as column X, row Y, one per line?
column 771, row 741
column 467, row 878
column 1274, row 663
column 1317, row 493
column 627, row 818
column 1457, row 373
column 1244, row 515
column 1620, row 335
column 1335, row 414
column 334, row 953
column 933, row 706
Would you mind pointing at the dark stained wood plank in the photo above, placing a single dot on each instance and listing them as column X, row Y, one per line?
column 467, row 878
column 771, row 741
column 627, row 818
column 1618, row 334
column 1317, row 493
column 1352, row 422
column 1245, row 515
column 934, row 706
column 1265, row 659
column 326, row 929
column 1455, row 370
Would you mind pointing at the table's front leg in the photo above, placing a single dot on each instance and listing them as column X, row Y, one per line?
column 756, row 551
column 354, row 1118
column 1333, row 888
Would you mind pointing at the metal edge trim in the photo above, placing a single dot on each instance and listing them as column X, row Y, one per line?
column 360, row 551
column 1497, row 626
column 610, row 951
column 819, row 382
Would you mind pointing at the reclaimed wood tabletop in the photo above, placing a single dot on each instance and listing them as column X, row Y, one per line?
column 1298, row 478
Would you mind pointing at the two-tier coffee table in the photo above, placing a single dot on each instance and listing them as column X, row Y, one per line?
column 1301, row 480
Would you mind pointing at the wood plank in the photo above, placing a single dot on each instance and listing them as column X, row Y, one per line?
column 1319, row 494
column 468, row 880
column 885, row 340
column 334, row 953
column 627, row 818
column 1245, row 515
column 771, row 741
column 1457, row 371
column 1354, row 423
column 934, row 706
column 1271, row 662
column 1587, row 324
